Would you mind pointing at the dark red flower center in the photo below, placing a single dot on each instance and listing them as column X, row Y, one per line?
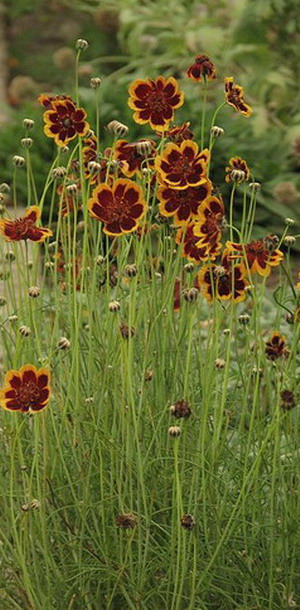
column 27, row 395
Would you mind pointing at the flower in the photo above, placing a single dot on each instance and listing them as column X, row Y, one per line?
column 63, row 121
column 25, row 228
column 235, row 97
column 276, row 347
column 154, row 101
column 191, row 248
column 236, row 163
column 130, row 153
column 202, row 68
column 119, row 207
column 180, row 408
column 179, row 133
column 255, row 256
column 182, row 166
column 183, row 204
column 223, row 282
column 26, row 390
column 210, row 221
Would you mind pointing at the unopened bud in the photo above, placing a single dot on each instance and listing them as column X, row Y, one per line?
column 244, row 319
column 289, row 318
column 28, row 123
column 190, row 295
column 226, row 331
column 27, row 142
column 4, row 188
column 216, row 131
column 81, row 44
column 174, row 431
column 34, row 291
column 237, row 175
column 95, row 82
column 71, row 189
column 64, row 149
column 18, row 161
column 24, row 330
column 220, row 363
column 114, row 306
column 144, row 148
column 289, row 222
column 94, row 167
column 254, row 186
column 289, row 240
column 63, row 343
column 189, row 267
column 99, row 260
column 58, row 172
column 10, row 255
column 117, row 128
column 13, row 318
column 149, row 375
column 131, row 270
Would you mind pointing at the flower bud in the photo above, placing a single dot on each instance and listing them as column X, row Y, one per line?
column 289, row 318
column 63, row 343
column 144, row 148
column 94, row 167
column 10, row 255
column 34, row 291
column 13, row 318
column 216, row 131
column 289, row 240
column 117, row 128
column 58, row 172
column 95, row 82
column 18, row 161
column 89, row 400
column 131, row 270
column 114, row 306
column 4, row 188
column 99, row 260
column 174, row 431
column 226, row 331
column 28, row 124
column 189, row 267
column 64, row 149
column 71, row 189
column 244, row 319
column 27, row 142
column 126, row 331
column 24, row 330
column 254, row 186
column 149, row 375
column 191, row 295
column 237, row 175
column 220, row 363
column 289, row 222
column 81, row 44
column 49, row 265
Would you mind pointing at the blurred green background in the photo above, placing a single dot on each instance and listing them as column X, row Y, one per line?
column 255, row 41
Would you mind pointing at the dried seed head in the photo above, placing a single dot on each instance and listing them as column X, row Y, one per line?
column 131, row 270
column 63, row 343
column 288, row 400
column 174, row 431
column 28, row 124
column 2, row 301
column 58, row 172
column 13, row 318
column 18, row 161
column 216, row 131
column 99, row 260
column 114, row 306
column 189, row 267
column 10, row 255
column 72, row 189
column 180, row 408
column 126, row 331
column 95, row 82
column 81, row 44
column 244, row 319
column 149, row 375
column 237, row 175
column 219, row 363
column 34, row 291
column 4, row 188
column 126, row 521
column 187, row 522
column 24, row 330
column 117, row 128
column 144, row 148
column 190, row 295
column 94, row 167
column 289, row 240
column 254, row 186
column 26, row 142
column 289, row 222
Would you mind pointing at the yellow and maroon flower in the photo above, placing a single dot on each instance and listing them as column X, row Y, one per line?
column 133, row 157
column 47, row 100
column 202, row 68
column 223, row 282
column 119, row 207
column 236, row 163
column 210, row 221
column 191, row 248
column 276, row 347
column 183, row 204
column 179, row 133
column 154, row 101
column 26, row 390
column 235, row 97
column 63, row 122
column 255, row 256
column 24, row 228
column 182, row 166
